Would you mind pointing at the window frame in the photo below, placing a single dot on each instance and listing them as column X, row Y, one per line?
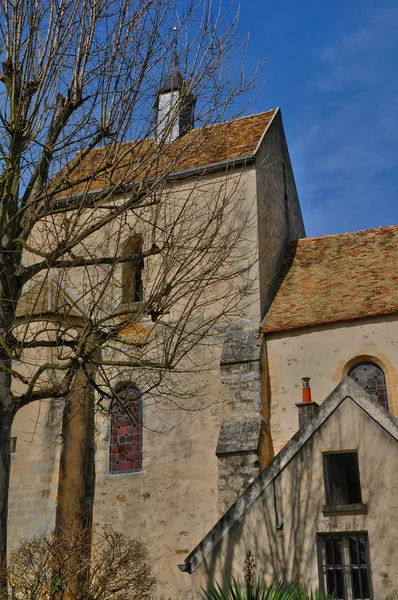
column 371, row 363
column 112, row 441
column 347, row 567
column 132, row 292
column 327, row 479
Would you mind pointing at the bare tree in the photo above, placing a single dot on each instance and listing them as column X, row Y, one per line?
column 107, row 265
column 40, row 568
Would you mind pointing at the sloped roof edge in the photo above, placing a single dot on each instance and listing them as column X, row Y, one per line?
column 347, row 389
column 208, row 154
column 275, row 111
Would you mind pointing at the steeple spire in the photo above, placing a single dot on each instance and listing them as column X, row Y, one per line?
column 175, row 51
column 174, row 104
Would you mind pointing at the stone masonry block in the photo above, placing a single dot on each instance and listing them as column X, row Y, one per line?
column 240, row 436
column 241, row 343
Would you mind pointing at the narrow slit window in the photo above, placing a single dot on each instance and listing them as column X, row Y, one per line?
column 341, row 476
column 132, row 270
column 125, row 448
column 13, row 445
column 372, row 379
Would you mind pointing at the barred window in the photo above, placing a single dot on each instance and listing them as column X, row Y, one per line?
column 125, row 448
column 372, row 379
column 344, row 568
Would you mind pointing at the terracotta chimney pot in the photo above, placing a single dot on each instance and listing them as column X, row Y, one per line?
column 306, row 389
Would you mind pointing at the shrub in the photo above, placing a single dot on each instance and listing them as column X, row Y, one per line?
column 118, row 568
column 277, row 590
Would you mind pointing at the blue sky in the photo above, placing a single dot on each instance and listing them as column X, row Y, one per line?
column 333, row 69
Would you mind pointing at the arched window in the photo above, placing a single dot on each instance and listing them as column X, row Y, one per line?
column 372, row 379
column 125, row 449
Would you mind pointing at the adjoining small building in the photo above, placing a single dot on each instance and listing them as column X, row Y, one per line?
column 324, row 512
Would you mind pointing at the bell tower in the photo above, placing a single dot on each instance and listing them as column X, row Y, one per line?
column 174, row 104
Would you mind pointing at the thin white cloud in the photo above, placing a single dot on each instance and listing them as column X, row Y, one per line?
column 356, row 57
column 346, row 150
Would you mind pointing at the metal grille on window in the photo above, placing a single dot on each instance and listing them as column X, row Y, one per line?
column 125, row 451
column 373, row 381
column 344, row 566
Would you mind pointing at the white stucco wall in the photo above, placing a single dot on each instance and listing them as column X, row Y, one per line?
column 299, row 496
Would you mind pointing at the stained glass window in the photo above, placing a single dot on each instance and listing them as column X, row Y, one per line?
column 125, row 449
column 372, row 379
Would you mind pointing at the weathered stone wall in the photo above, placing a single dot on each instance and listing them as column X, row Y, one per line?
column 173, row 501
column 34, row 470
column 240, row 370
column 279, row 214
column 239, row 438
column 235, row 473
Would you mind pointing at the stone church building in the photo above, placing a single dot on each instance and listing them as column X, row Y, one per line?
column 324, row 308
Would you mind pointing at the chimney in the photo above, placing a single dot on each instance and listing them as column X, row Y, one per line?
column 306, row 389
column 307, row 409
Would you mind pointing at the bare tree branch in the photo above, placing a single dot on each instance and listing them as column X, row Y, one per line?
column 109, row 263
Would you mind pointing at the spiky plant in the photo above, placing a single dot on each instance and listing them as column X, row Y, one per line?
column 277, row 590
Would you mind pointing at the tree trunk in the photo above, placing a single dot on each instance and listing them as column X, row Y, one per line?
column 6, row 418
column 73, row 527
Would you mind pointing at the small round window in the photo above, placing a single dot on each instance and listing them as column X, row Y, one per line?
column 373, row 381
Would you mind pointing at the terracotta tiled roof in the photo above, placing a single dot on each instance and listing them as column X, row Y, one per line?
column 134, row 161
column 336, row 278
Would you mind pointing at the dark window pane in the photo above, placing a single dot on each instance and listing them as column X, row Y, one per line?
column 360, row 583
column 365, row 583
column 354, row 558
column 333, row 551
column 356, row 586
column 335, row 583
column 363, row 555
column 345, row 560
column 342, row 484
column 329, row 551
column 132, row 270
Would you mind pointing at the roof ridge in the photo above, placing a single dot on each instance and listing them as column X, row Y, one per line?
column 219, row 124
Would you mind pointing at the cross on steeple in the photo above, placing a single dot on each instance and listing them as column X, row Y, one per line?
column 175, row 51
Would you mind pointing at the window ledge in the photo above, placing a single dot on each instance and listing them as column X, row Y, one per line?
column 345, row 509
column 129, row 306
